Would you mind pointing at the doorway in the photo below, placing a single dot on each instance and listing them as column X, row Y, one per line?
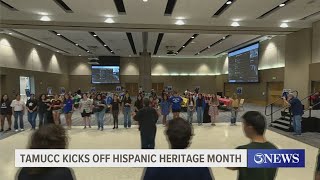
column 158, row 87
column 315, row 86
column 274, row 92
column 26, row 87
column 132, row 88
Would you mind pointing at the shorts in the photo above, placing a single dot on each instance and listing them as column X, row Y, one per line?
column 57, row 111
column 84, row 114
column 67, row 112
column 176, row 110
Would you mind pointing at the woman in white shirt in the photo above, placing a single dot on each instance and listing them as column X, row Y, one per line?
column 86, row 109
column 18, row 112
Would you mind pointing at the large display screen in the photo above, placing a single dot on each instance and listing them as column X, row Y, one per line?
column 243, row 64
column 105, row 74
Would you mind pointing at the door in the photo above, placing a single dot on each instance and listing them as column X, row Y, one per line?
column 227, row 90
column 274, row 92
column 315, row 86
column 158, row 87
column 132, row 88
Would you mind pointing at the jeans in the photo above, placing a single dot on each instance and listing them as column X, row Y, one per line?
column 100, row 118
column 127, row 116
column 18, row 115
column 297, row 123
column 234, row 113
column 147, row 140
column 43, row 118
column 190, row 116
column 32, row 119
column 115, row 114
column 200, row 115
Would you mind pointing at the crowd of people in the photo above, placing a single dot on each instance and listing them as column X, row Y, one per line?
column 53, row 108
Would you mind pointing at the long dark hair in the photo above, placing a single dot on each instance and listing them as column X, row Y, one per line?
column 2, row 100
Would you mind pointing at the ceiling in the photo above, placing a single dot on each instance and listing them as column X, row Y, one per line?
column 124, row 36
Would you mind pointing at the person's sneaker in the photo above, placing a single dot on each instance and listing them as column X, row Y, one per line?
column 16, row 130
column 213, row 124
column 113, row 127
column 85, row 127
column 21, row 129
column 90, row 126
column 101, row 129
column 98, row 128
column 9, row 129
column 117, row 127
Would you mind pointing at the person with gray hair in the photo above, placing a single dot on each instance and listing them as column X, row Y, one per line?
column 296, row 109
column 147, row 118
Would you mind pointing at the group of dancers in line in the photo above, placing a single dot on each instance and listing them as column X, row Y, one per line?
column 49, row 108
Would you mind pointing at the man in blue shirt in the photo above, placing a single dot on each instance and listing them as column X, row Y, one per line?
column 179, row 133
column 297, row 112
column 175, row 101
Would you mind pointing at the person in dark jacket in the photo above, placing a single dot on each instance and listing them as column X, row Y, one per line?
column 5, row 112
column 179, row 133
column 147, row 118
column 43, row 109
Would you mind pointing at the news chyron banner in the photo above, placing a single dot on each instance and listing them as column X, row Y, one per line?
column 160, row 158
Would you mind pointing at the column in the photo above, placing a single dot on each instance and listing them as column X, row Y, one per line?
column 297, row 59
column 145, row 71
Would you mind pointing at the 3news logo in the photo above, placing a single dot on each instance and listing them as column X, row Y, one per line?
column 274, row 158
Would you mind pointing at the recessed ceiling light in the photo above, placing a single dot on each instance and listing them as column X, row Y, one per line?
column 209, row 47
column 109, row 20
column 192, row 37
column 88, row 51
column 77, row 44
column 224, row 37
column 145, row 0
column 45, row 18
column 284, row 25
column 192, row 42
column 179, row 22
column 129, row 55
column 235, row 24
column 183, row 46
column 43, row 13
column 281, row 5
column 10, row 33
column 177, row 52
column 94, row 35
column 58, row 51
column 229, row 2
column 79, row 54
column 39, row 44
column 104, row 45
column 111, row 51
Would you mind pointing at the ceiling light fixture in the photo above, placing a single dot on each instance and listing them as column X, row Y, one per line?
column 209, row 47
column 145, row 0
column 88, row 51
column 282, row 4
column 58, row 34
column 192, row 37
column 76, row 44
column 111, row 51
column 179, row 22
column 104, row 45
column 58, row 51
column 183, row 46
column 109, row 20
column 229, row 2
column 39, row 44
column 224, row 37
column 10, row 33
column 45, row 18
column 235, row 24
column 284, row 25
column 43, row 13
column 94, row 35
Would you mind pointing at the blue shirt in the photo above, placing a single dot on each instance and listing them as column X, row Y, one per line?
column 109, row 100
column 165, row 107
column 296, row 107
column 178, row 173
column 67, row 105
column 176, row 102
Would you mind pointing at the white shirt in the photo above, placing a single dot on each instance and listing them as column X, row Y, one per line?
column 17, row 105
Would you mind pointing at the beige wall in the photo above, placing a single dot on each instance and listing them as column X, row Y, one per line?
column 20, row 58
column 298, row 59
column 316, row 42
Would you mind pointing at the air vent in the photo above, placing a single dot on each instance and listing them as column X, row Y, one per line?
column 129, row 35
column 6, row 5
column 63, row 6
column 169, row 8
column 156, row 48
column 120, row 7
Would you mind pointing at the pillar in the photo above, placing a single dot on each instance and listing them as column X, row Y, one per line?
column 145, row 71
column 297, row 59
